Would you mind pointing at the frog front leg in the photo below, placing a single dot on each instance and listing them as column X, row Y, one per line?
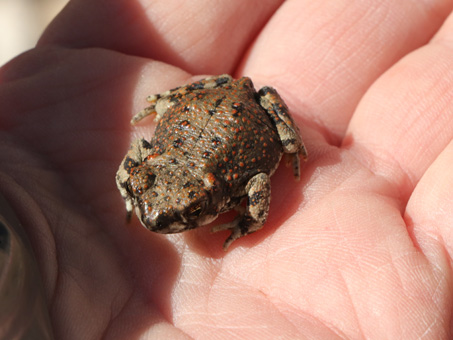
column 159, row 103
column 287, row 129
column 258, row 199
column 140, row 149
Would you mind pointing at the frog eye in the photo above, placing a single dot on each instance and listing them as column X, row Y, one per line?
column 141, row 179
column 195, row 211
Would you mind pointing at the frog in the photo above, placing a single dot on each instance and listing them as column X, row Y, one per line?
column 216, row 144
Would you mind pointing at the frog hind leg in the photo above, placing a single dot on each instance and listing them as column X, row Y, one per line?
column 287, row 129
column 159, row 103
column 255, row 215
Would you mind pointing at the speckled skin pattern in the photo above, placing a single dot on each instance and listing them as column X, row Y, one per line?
column 217, row 142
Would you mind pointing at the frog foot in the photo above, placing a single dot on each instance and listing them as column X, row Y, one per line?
column 239, row 227
column 254, row 216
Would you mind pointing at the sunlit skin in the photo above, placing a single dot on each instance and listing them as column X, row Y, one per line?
column 359, row 248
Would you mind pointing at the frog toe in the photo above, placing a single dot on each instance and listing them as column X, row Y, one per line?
column 237, row 231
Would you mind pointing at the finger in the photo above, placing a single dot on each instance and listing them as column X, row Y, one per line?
column 203, row 37
column 429, row 212
column 324, row 55
column 406, row 119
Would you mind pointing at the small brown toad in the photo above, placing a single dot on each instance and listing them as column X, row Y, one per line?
column 217, row 142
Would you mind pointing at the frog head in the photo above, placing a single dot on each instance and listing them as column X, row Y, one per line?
column 170, row 200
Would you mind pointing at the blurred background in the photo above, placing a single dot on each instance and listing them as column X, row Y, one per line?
column 22, row 22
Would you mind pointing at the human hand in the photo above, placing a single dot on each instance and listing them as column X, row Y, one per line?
column 359, row 248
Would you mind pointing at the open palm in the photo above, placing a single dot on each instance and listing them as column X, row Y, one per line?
column 359, row 248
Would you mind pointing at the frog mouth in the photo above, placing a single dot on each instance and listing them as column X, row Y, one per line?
column 176, row 227
column 170, row 222
column 164, row 223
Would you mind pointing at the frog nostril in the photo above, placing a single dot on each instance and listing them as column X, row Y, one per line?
column 163, row 221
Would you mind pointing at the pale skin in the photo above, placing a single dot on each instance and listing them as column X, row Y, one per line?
column 361, row 247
